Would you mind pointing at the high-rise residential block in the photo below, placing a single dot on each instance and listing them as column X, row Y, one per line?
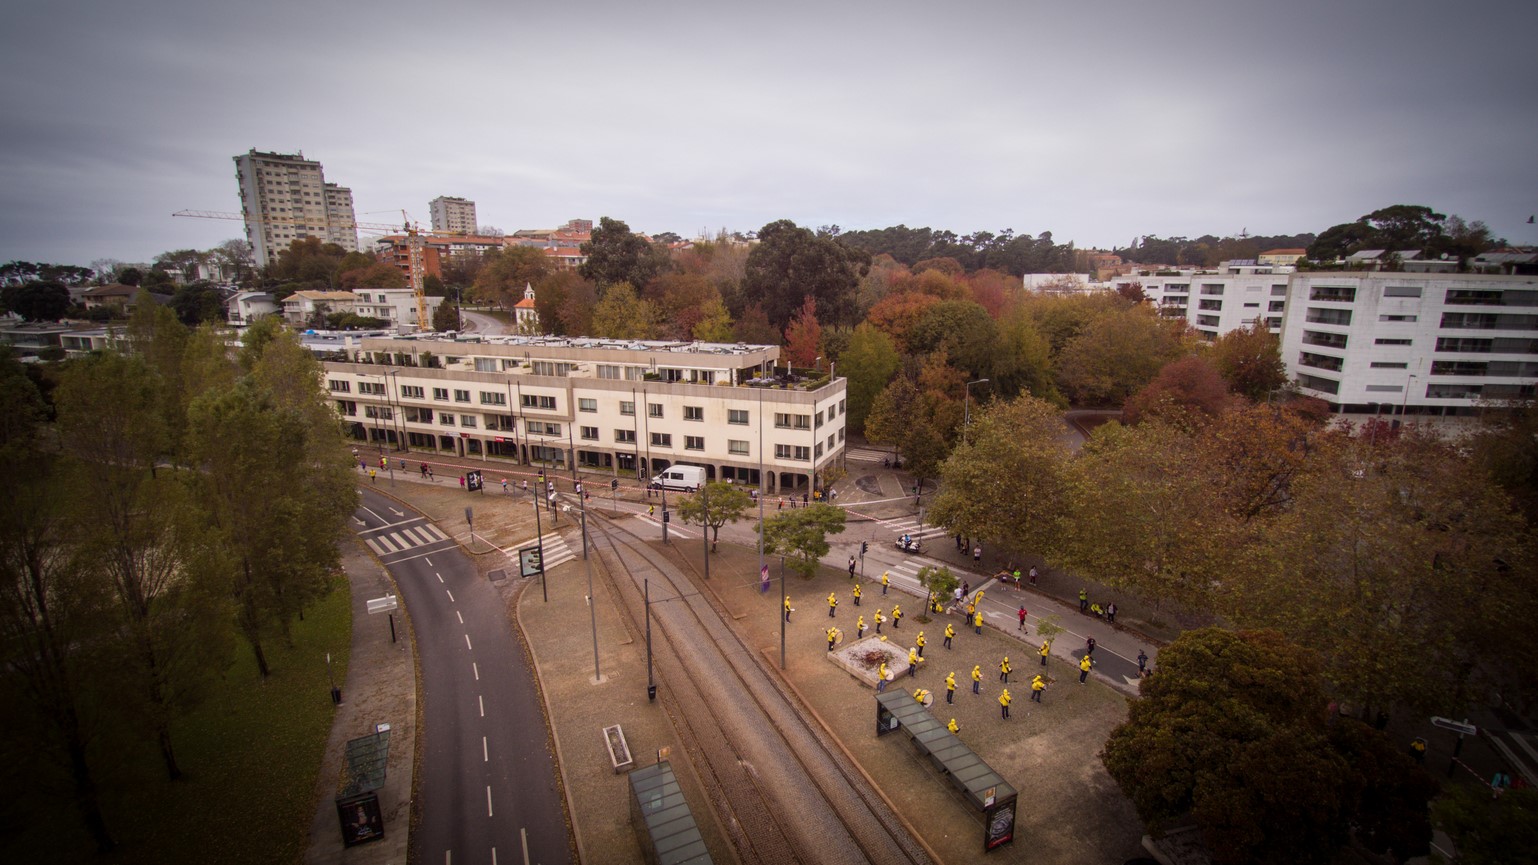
column 285, row 197
column 456, row 215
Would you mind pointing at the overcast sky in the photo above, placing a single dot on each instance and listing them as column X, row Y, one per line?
column 1097, row 120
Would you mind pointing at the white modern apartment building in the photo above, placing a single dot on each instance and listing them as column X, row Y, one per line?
column 1219, row 300
column 398, row 306
column 1418, row 343
column 454, row 215
column 632, row 408
column 285, row 197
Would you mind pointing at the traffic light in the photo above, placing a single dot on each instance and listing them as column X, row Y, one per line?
column 864, row 547
column 614, row 484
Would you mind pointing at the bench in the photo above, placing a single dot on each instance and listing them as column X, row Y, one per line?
column 619, row 750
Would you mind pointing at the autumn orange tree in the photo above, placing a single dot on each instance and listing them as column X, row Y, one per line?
column 1188, row 390
column 803, row 338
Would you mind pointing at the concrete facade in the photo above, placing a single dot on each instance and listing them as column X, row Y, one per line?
column 285, row 197
column 453, row 215
column 603, row 405
column 1217, row 301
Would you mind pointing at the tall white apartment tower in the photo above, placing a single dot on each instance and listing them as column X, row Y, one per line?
column 285, row 197
column 455, row 215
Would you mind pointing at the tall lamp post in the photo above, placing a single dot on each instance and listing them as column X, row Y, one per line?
column 967, row 407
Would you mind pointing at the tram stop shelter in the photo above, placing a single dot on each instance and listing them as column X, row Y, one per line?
column 357, row 800
column 982, row 788
column 671, row 837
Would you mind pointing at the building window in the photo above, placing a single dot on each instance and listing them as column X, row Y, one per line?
column 1389, row 364
column 1277, row 306
column 1328, row 316
column 587, row 405
column 831, row 442
column 371, row 388
column 1393, row 342
column 1397, row 318
column 662, row 440
column 346, row 407
column 1328, row 340
column 606, row 370
column 843, row 406
column 694, row 412
column 1465, row 343
column 379, row 412
column 1474, row 298
column 792, row 421
column 1459, row 367
column 737, row 416
column 1465, row 320
column 1210, row 304
column 536, row 401
column 411, row 391
column 339, row 386
column 1402, row 291
column 467, row 421
column 461, row 395
column 590, row 433
column 1333, row 293
column 654, row 409
column 803, row 453
column 446, row 419
column 624, row 436
column 817, row 420
column 441, row 393
column 491, row 398
column 543, row 428
column 694, row 443
column 1320, row 361
column 485, row 364
column 819, row 450
column 1212, row 289
column 840, row 433
column 1384, row 388
column 627, row 408
column 1314, row 382
column 1278, row 291
column 736, row 447
column 550, row 367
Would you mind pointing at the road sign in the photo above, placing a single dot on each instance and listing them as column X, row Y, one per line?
column 1463, row 728
column 382, row 605
column 530, row 562
column 473, row 481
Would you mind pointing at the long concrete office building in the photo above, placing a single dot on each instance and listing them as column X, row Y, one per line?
column 609, row 406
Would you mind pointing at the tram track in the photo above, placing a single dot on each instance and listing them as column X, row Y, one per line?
column 785, row 790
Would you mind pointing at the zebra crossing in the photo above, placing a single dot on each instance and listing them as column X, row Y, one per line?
column 866, row 455
column 910, row 526
column 406, row 537
column 557, row 551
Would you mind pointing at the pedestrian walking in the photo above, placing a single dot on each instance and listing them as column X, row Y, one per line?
column 1004, row 669
column 950, row 631
column 897, row 617
column 1038, row 685
column 362, row 466
column 1110, row 613
column 977, row 555
column 920, row 642
column 1085, row 663
column 525, row 486
column 461, row 481
column 1046, row 649
column 1022, row 618
column 832, row 637
column 950, row 687
column 424, row 470
column 958, row 543
column 1004, row 701
column 958, row 596
column 952, row 726
column 1418, row 750
column 1089, row 646
column 966, row 588
column 373, row 476
column 977, row 679
column 913, row 662
column 886, row 580
column 859, row 628
column 832, row 605
column 1083, row 600
column 977, row 623
column 851, row 567
column 651, row 510
column 1142, row 661
column 1033, row 575
column 856, row 594
column 504, row 486
column 430, row 474
column 1016, row 575
column 787, row 608
column 881, row 677
column 878, row 619
column 781, row 505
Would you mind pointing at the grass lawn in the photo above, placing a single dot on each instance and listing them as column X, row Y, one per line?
column 249, row 754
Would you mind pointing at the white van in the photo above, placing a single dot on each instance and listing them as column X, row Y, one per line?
column 686, row 478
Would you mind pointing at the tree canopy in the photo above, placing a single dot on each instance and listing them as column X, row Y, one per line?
column 801, row 535
column 790, row 264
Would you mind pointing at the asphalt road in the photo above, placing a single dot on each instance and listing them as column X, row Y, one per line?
column 487, row 781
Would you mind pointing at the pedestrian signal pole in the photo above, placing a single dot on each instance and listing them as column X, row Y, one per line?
column 592, row 610
column 705, row 526
column 539, row 536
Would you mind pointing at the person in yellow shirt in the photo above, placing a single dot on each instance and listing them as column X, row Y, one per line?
column 886, row 580
column 950, row 631
column 950, row 687
column 787, row 608
column 878, row 619
column 1085, row 664
column 897, row 615
column 913, row 662
column 881, row 677
column 952, row 726
column 977, row 622
column 920, row 695
column 1046, row 649
column 859, row 628
column 920, row 642
column 832, row 638
column 1004, row 701
column 977, row 679
column 1038, row 685
column 832, row 604
column 1004, row 669
column 856, row 594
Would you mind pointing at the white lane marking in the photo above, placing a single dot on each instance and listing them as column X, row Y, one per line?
column 467, row 643
column 493, row 856
column 450, row 594
column 384, row 541
column 413, row 558
column 378, row 550
column 480, row 700
column 436, row 574
column 448, row 857
column 430, row 564
column 437, row 532
column 390, row 525
column 488, row 801
column 461, row 618
column 485, row 752
column 476, row 669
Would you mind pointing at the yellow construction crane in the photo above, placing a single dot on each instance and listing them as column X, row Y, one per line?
column 415, row 245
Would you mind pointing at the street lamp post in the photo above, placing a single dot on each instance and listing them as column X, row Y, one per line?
column 967, row 407
column 592, row 610
column 1405, row 400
